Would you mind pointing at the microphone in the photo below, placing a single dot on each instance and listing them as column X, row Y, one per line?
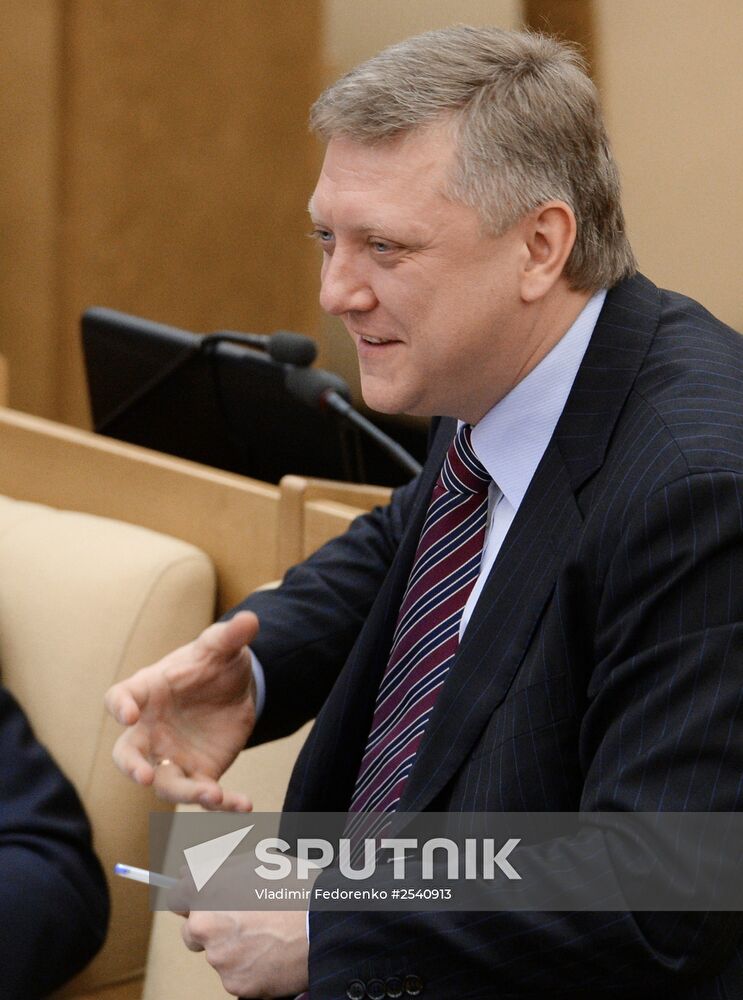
column 282, row 347
column 315, row 387
column 318, row 388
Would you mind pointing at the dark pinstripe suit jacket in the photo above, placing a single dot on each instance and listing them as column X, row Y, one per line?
column 602, row 668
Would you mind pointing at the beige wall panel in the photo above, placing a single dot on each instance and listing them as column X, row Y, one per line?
column 673, row 92
column 30, row 33
column 357, row 29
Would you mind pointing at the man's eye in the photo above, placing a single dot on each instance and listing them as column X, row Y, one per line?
column 322, row 236
column 381, row 246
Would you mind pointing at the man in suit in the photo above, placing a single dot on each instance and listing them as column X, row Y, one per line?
column 53, row 895
column 587, row 658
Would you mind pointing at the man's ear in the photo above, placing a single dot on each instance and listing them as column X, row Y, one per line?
column 549, row 235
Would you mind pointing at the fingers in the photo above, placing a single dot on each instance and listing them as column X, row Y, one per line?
column 125, row 700
column 131, row 753
column 172, row 784
column 150, row 704
column 180, row 896
column 225, row 639
column 191, row 934
column 235, row 802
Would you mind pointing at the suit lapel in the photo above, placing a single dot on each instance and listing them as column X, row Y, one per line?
column 618, row 347
column 544, row 531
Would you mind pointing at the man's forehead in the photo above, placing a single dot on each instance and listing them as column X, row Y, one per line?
column 409, row 168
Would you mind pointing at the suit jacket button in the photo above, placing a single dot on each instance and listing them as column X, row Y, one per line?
column 375, row 989
column 393, row 987
column 413, row 986
column 356, row 990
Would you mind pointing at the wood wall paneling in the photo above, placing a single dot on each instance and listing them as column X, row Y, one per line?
column 29, row 124
column 177, row 170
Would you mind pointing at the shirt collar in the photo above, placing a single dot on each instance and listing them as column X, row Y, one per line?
column 512, row 436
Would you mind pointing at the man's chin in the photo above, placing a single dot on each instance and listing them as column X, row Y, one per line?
column 380, row 399
column 389, row 407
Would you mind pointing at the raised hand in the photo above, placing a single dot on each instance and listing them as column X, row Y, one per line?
column 189, row 715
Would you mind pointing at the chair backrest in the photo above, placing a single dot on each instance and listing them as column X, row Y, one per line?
column 312, row 511
column 84, row 602
column 231, row 518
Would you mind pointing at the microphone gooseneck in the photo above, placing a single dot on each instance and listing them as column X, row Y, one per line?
column 319, row 388
column 312, row 385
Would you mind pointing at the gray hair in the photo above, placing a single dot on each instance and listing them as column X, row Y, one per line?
column 528, row 126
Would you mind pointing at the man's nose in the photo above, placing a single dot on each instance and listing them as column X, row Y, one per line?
column 344, row 287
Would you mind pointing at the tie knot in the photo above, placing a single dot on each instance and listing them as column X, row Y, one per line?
column 463, row 472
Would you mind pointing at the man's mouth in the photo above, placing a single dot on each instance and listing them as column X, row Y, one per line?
column 376, row 341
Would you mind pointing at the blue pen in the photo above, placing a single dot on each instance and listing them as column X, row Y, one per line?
column 142, row 875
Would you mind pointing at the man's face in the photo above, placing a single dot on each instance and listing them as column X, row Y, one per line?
column 431, row 303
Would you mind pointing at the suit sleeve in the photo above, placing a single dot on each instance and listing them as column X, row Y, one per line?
column 53, row 896
column 662, row 731
column 310, row 623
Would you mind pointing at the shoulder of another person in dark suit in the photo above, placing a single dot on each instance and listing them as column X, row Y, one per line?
column 54, row 903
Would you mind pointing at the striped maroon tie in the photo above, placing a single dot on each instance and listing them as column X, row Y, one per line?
column 446, row 566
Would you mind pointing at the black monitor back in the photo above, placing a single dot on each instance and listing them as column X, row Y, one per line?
column 222, row 404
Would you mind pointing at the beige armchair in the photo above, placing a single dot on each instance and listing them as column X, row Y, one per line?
column 85, row 601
